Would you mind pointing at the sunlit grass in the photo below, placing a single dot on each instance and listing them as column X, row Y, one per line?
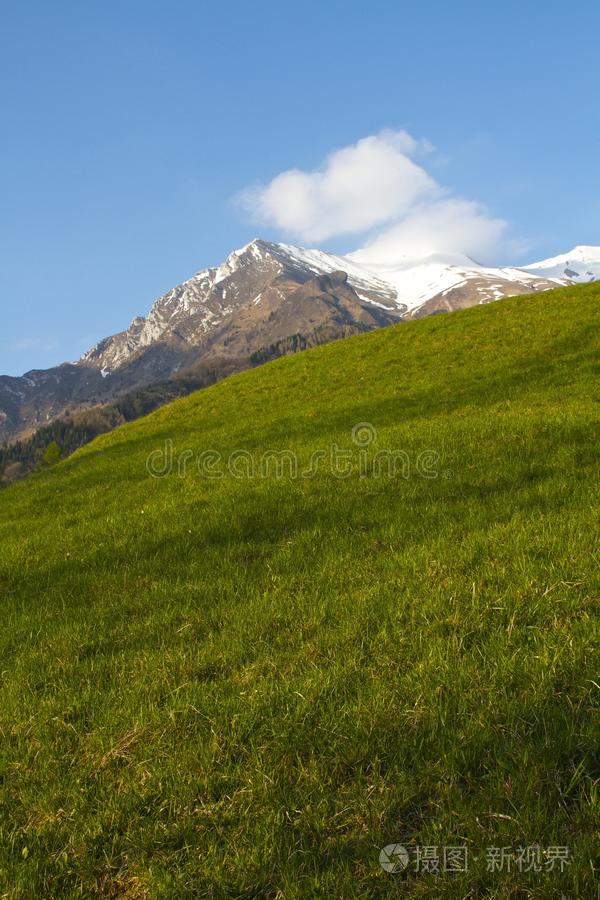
column 246, row 687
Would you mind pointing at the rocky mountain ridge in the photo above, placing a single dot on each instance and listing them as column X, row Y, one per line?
column 263, row 299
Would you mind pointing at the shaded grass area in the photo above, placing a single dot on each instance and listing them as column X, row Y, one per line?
column 245, row 687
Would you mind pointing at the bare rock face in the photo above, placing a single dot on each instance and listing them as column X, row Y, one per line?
column 264, row 300
column 221, row 319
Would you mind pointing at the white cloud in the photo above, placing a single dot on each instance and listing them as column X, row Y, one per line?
column 449, row 225
column 369, row 183
column 376, row 183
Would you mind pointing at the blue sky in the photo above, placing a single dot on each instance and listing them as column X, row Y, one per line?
column 127, row 130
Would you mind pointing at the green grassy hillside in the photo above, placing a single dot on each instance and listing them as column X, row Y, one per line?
column 247, row 685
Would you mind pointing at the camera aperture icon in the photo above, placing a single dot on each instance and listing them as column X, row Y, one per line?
column 394, row 858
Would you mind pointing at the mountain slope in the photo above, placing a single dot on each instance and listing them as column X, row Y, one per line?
column 242, row 680
column 194, row 313
column 261, row 270
column 190, row 327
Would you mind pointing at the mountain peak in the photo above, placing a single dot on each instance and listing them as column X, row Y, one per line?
column 254, row 251
column 220, row 318
column 580, row 264
column 586, row 251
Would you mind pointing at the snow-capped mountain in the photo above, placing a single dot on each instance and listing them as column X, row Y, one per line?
column 442, row 282
column 581, row 264
column 263, row 300
column 198, row 308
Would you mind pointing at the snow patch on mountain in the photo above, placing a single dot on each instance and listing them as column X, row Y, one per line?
column 410, row 282
column 581, row 264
